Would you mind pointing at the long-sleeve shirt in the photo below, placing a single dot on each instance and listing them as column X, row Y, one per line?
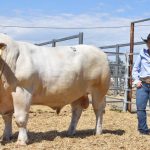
column 141, row 68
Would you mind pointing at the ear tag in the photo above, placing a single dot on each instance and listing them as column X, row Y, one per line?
column 0, row 52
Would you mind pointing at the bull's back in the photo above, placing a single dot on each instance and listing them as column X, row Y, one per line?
column 70, row 66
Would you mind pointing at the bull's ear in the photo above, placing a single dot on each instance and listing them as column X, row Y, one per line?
column 3, row 46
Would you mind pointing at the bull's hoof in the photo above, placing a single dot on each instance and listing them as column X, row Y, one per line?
column 21, row 143
column 70, row 133
column 98, row 133
column 5, row 138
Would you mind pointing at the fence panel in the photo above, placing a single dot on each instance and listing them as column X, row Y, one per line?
column 55, row 41
column 119, row 69
column 118, row 78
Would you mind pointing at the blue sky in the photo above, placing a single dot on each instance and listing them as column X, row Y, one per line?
column 74, row 13
column 126, row 8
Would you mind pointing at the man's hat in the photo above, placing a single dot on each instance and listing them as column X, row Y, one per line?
column 146, row 40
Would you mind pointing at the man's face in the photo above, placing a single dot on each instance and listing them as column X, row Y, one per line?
column 148, row 44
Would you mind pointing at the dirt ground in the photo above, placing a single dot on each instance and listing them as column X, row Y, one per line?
column 47, row 131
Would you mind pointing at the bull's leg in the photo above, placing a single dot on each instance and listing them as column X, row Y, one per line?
column 98, row 102
column 22, row 100
column 76, row 113
column 8, row 127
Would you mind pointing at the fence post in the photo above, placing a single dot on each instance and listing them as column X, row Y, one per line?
column 126, row 84
column 116, row 70
column 81, row 38
column 54, row 43
column 130, row 66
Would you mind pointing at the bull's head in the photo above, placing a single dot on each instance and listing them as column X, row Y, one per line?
column 2, row 47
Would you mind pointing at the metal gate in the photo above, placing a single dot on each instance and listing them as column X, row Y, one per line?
column 119, row 74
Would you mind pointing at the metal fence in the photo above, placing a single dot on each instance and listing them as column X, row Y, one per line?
column 120, row 80
column 55, row 41
column 132, row 32
column 117, row 64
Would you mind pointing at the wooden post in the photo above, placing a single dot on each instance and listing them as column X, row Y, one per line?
column 129, row 96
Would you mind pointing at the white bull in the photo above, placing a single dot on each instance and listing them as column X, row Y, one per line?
column 50, row 76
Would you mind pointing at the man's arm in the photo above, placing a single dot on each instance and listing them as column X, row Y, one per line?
column 136, row 70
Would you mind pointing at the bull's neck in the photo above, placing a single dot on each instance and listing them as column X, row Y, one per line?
column 7, row 77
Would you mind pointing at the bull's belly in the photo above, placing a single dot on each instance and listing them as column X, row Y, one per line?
column 58, row 100
column 60, row 93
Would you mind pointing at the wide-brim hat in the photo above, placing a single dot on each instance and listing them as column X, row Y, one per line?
column 146, row 40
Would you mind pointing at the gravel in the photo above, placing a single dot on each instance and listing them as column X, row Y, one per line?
column 47, row 131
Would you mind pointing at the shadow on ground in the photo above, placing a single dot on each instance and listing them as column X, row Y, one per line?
column 35, row 137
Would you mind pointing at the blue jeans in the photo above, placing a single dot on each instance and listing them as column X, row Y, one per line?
column 142, row 97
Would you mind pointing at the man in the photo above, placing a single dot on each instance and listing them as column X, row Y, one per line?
column 141, row 76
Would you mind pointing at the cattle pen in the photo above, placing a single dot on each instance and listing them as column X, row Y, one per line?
column 47, row 130
column 114, row 51
column 120, row 70
column 115, row 75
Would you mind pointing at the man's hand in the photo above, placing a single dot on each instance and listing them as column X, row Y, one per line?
column 139, row 84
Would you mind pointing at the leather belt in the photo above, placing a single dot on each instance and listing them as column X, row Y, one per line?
column 146, row 80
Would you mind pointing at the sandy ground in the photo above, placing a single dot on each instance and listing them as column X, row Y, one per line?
column 47, row 131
